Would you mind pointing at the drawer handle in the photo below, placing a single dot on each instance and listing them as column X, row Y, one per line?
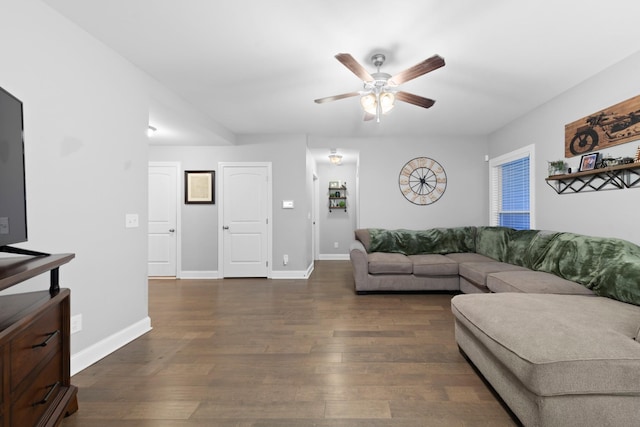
column 45, row 399
column 45, row 342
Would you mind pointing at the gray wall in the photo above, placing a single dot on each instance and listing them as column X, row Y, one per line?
column 382, row 205
column 86, row 114
column 291, row 227
column 603, row 213
column 337, row 225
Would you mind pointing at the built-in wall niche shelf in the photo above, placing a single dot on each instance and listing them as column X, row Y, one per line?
column 337, row 198
column 607, row 178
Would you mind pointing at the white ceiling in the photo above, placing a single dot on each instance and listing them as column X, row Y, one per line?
column 255, row 66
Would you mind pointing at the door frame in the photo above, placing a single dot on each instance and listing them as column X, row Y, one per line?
column 178, row 167
column 220, row 197
column 315, row 215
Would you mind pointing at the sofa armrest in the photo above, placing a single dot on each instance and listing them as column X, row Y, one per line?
column 360, row 264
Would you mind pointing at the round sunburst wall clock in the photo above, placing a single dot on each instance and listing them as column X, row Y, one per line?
column 422, row 181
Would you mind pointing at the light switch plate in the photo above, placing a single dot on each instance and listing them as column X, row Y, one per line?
column 131, row 220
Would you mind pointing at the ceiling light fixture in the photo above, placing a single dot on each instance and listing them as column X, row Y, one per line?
column 335, row 158
column 151, row 130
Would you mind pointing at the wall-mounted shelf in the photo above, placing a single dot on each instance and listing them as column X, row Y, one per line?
column 337, row 198
column 608, row 178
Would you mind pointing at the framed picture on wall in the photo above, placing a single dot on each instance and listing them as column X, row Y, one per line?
column 334, row 184
column 588, row 162
column 199, row 187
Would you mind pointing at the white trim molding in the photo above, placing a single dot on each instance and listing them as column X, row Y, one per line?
column 87, row 357
column 199, row 274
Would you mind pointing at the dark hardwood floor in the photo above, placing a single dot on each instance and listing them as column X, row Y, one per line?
column 285, row 353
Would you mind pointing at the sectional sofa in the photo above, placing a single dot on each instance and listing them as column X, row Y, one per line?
column 551, row 320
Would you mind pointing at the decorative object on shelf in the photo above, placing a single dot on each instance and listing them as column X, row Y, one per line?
column 615, row 125
column 199, row 187
column 422, row 181
column 557, row 167
column 611, row 161
column 337, row 196
column 606, row 178
column 588, row 162
column 637, row 157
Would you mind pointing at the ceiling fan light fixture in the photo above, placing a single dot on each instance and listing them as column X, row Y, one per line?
column 368, row 103
column 387, row 102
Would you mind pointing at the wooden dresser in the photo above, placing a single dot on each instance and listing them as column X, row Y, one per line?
column 34, row 346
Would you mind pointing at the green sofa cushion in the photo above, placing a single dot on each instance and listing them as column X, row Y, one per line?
column 518, row 247
column 609, row 267
column 538, row 248
column 415, row 242
column 493, row 242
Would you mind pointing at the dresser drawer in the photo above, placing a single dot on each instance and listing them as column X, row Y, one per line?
column 42, row 393
column 35, row 344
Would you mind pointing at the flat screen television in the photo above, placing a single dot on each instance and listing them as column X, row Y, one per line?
column 13, row 205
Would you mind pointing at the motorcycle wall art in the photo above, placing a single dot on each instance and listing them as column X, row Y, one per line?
column 615, row 125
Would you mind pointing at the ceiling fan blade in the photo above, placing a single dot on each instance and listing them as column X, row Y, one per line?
column 369, row 116
column 348, row 61
column 417, row 70
column 414, row 99
column 335, row 97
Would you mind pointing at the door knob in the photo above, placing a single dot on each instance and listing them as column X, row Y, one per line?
column 226, row 227
column 172, row 230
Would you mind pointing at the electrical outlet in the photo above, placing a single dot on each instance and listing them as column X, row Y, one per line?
column 285, row 260
column 76, row 323
column 335, row 244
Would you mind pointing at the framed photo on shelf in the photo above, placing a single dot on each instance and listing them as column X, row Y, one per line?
column 588, row 162
column 199, row 187
column 334, row 184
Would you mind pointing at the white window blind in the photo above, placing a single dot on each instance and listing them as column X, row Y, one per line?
column 511, row 190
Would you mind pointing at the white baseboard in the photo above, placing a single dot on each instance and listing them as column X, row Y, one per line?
column 334, row 257
column 199, row 275
column 87, row 357
column 298, row 274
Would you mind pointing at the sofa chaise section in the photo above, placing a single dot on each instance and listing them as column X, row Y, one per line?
column 556, row 360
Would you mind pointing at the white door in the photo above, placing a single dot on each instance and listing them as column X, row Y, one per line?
column 246, row 210
column 162, row 219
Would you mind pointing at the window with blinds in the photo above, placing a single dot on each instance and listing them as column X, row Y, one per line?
column 512, row 189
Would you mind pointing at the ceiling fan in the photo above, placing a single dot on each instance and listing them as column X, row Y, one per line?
column 380, row 89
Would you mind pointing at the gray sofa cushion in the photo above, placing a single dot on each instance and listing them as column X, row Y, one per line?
column 535, row 282
column 477, row 272
column 388, row 263
column 469, row 257
column 558, row 344
column 433, row 265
